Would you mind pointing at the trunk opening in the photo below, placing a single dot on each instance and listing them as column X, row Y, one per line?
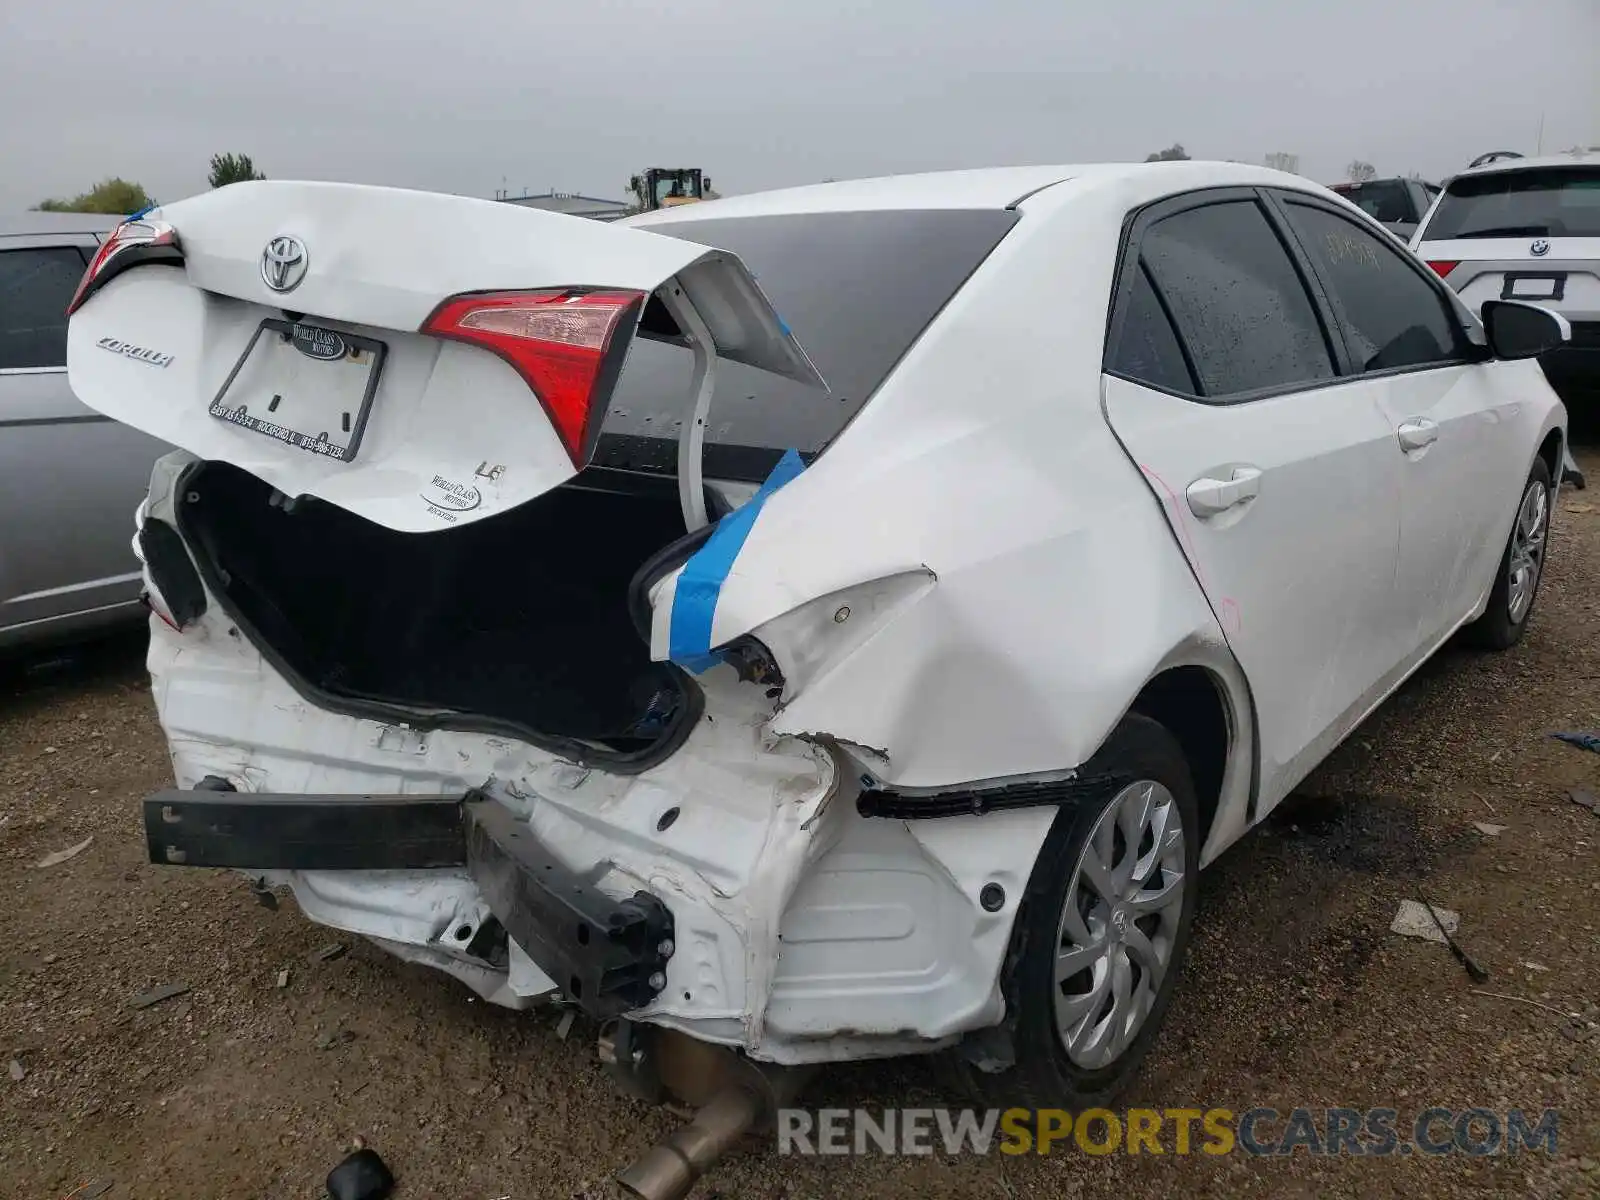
column 518, row 623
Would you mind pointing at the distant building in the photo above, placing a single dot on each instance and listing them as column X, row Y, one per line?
column 572, row 204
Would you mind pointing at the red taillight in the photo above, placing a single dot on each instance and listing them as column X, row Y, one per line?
column 124, row 237
column 158, row 607
column 559, row 341
column 1443, row 266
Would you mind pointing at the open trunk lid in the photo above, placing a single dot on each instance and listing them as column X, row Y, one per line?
column 371, row 346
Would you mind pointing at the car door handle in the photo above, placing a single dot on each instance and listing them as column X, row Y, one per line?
column 1416, row 433
column 1209, row 496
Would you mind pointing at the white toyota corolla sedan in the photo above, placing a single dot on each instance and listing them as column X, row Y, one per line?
column 825, row 624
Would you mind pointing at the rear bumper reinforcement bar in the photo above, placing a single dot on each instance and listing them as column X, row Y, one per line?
column 263, row 831
column 608, row 956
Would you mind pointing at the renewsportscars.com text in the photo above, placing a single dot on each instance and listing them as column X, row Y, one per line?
column 1259, row 1131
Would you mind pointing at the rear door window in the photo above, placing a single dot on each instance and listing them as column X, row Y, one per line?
column 1236, row 298
column 1537, row 202
column 36, row 285
column 1147, row 349
column 857, row 288
column 1393, row 317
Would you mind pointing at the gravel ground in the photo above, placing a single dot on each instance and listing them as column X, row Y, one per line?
column 1295, row 993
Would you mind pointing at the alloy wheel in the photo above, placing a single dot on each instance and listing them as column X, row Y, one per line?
column 1527, row 550
column 1119, row 924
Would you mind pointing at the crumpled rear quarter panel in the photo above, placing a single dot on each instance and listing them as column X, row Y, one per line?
column 986, row 460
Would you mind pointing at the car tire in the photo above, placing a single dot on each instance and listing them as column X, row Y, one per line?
column 1511, row 600
column 1064, row 1055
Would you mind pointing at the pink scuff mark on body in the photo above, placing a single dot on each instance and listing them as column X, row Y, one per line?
column 1227, row 609
column 1232, row 620
column 1181, row 523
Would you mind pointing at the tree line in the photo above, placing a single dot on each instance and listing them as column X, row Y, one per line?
column 122, row 196
column 119, row 197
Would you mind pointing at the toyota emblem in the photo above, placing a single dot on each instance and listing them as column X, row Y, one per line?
column 283, row 263
column 1539, row 248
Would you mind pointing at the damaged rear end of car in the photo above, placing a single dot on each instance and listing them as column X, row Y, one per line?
column 433, row 652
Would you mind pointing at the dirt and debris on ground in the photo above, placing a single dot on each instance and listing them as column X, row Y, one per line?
column 255, row 1080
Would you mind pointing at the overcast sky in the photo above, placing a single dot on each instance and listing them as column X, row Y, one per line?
column 463, row 97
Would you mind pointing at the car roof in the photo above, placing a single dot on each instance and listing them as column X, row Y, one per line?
column 24, row 224
column 982, row 188
column 1570, row 158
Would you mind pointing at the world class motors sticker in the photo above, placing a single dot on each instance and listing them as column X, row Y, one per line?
column 324, row 345
column 445, row 497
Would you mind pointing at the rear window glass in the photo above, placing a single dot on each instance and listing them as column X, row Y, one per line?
column 857, row 288
column 1389, row 200
column 1538, row 202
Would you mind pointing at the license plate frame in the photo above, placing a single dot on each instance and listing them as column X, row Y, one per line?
column 1549, row 285
column 287, row 336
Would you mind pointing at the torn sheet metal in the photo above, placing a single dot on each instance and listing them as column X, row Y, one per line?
column 694, row 599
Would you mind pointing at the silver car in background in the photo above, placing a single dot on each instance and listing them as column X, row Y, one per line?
column 70, row 479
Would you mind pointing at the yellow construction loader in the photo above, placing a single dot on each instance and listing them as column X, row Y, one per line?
column 666, row 187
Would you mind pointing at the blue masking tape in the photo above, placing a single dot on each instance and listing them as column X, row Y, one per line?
column 694, row 603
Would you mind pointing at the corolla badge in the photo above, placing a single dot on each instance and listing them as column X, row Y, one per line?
column 144, row 354
column 284, row 263
column 1539, row 248
column 322, row 344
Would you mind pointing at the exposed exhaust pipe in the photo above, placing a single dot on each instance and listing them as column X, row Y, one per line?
column 734, row 1096
column 668, row 1171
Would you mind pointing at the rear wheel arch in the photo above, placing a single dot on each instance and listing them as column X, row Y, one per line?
column 1192, row 704
column 1551, row 451
column 1501, row 624
column 1032, row 1062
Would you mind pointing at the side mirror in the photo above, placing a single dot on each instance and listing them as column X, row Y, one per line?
column 1518, row 330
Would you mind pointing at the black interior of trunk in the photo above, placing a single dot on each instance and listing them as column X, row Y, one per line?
column 520, row 619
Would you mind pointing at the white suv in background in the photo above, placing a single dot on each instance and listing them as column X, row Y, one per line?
column 1527, row 229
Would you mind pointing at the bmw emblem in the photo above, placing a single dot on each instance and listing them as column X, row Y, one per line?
column 1539, row 248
